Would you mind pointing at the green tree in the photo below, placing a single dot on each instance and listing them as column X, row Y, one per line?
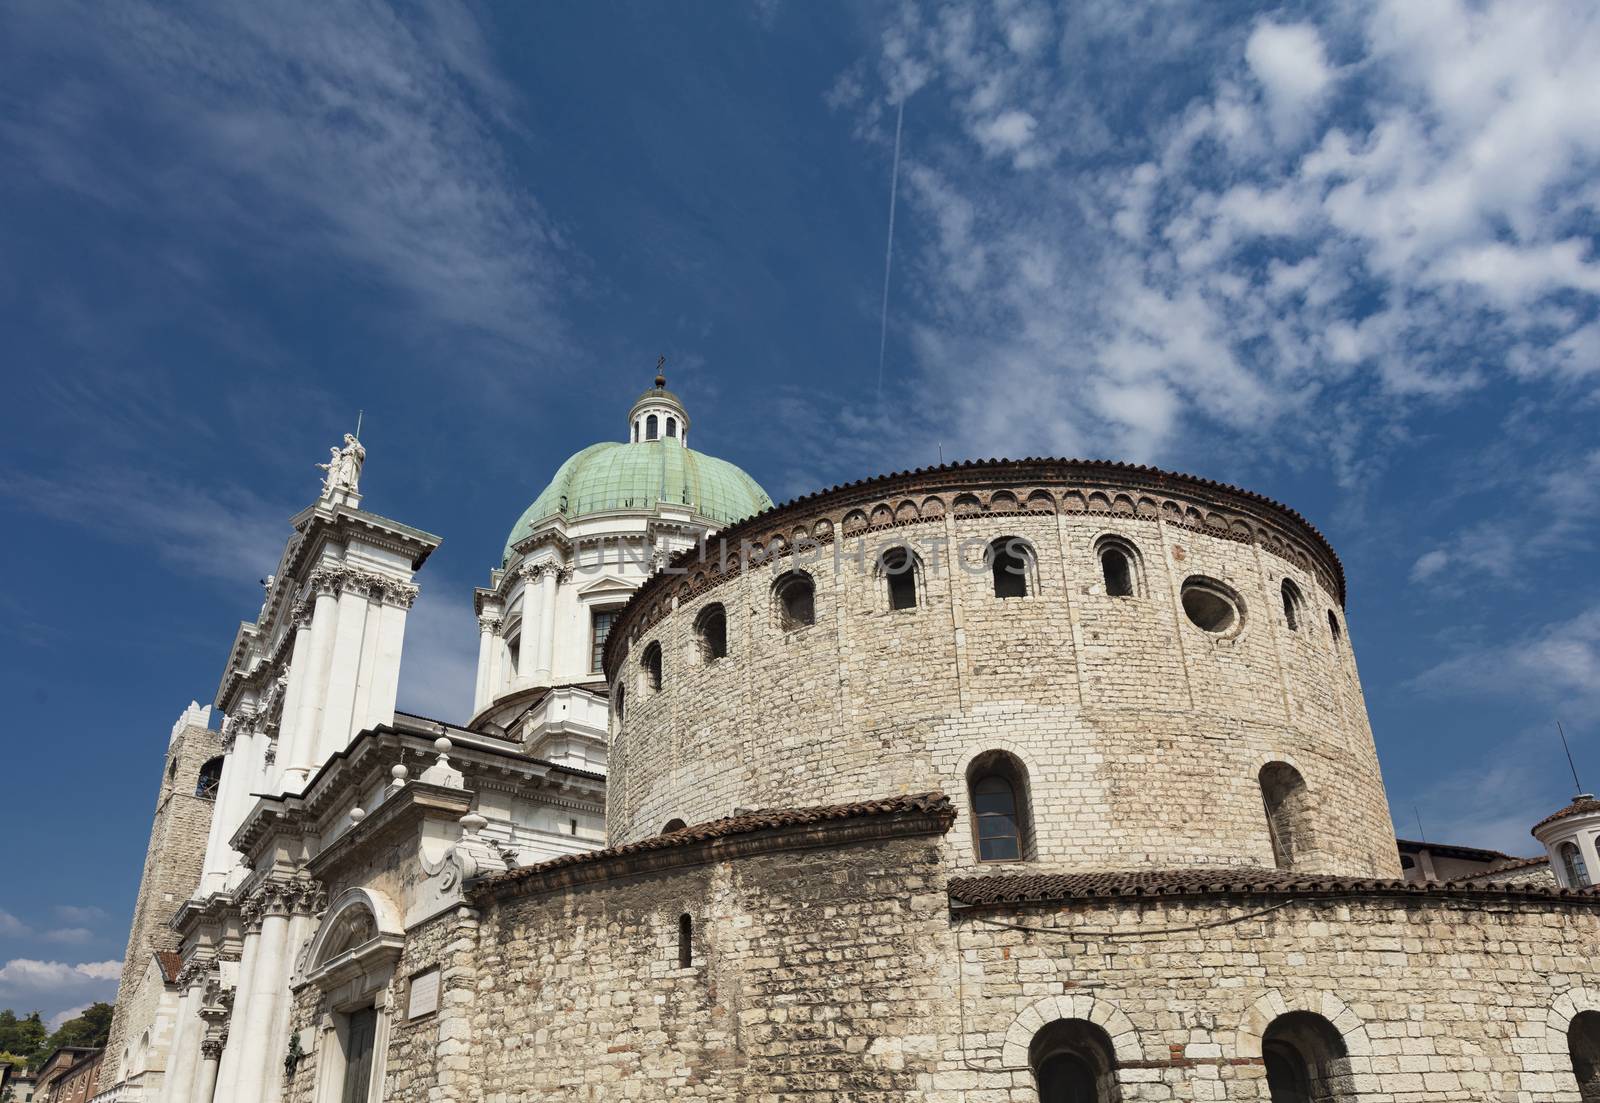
column 24, row 1036
column 91, row 1028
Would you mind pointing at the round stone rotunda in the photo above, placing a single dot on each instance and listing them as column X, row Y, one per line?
column 1005, row 782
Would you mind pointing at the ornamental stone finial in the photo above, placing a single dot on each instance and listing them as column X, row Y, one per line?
column 441, row 772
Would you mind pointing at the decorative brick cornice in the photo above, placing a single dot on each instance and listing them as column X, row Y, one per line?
column 990, row 489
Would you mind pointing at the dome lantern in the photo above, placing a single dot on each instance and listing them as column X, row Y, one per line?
column 658, row 414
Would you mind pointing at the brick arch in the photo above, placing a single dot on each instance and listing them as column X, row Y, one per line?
column 1247, row 1039
column 1108, row 1016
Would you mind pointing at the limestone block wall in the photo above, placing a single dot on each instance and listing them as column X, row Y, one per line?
column 832, row 972
column 1438, row 1000
column 172, row 866
column 1142, row 736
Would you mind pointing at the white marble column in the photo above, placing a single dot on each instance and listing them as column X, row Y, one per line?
column 238, row 1026
column 291, row 736
column 483, row 691
column 300, row 928
column 228, row 811
column 388, row 648
column 186, row 1032
column 205, row 1086
column 344, row 669
column 544, row 640
column 253, row 1026
column 312, row 675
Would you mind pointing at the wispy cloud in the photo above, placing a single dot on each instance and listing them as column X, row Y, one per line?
column 215, row 531
column 337, row 133
column 1558, row 664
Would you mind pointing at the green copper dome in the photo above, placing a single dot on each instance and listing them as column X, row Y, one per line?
column 614, row 475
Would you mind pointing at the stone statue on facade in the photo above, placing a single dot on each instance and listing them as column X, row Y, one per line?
column 344, row 467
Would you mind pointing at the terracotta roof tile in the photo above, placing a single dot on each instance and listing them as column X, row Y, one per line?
column 1578, row 807
column 170, row 964
column 1051, row 888
column 933, row 803
column 1504, row 867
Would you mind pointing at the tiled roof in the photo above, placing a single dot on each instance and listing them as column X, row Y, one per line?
column 1578, row 807
column 1050, row 888
column 1505, row 867
column 170, row 964
column 932, row 803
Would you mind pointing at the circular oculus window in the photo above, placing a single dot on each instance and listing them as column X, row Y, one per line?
column 1211, row 606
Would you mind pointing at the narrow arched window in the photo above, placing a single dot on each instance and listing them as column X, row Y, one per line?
column 1117, row 570
column 796, row 598
column 672, row 426
column 651, row 661
column 900, row 575
column 636, row 432
column 1333, row 627
column 672, row 825
column 1073, row 1062
column 711, row 626
column 1573, row 865
column 205, row 786
column 997, row 794
column 1011, row 562
column 1583, row 1046
column 622, row 702
column 1292, row 604
column 1283, row 794
column 1306, row 1060
column 650, row 426
column 685, row 941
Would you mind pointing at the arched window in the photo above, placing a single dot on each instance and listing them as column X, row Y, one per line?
column 1073, row 1062
column 205, row 786
column 1333, row 627
column 672, row 825
column 514, row 652
column 1583, row 1045
column 1293, row 603
column 636, row 432
column 711, row 627
column 997, row 792
column 899, row 569
column 796, row 598
column 1011, row 561
column 685, row 941
column 1573, row 865
column 1283, row 793
column 622, row 703
column 650, row 426
column 1306, row 1060
column 651, row 661
column 672, row 426
column 1117, row 566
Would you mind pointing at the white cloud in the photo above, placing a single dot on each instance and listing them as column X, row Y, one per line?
column 12, row 927
column 1288, row 60
column 1184, row 268
column 73, row 913
column 26, row 979
column 1429, row 564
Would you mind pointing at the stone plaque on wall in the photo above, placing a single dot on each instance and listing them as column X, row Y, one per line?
column 424, row 994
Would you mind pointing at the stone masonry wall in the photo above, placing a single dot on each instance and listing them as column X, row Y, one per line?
column 841, row 973
column 171, row 871
column 1134, row 726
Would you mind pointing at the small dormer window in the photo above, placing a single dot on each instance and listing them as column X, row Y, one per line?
column 1572, row 862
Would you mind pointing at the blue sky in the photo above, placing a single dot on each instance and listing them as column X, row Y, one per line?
column 1343, row 255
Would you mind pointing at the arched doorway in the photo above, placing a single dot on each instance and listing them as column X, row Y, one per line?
column 1306, row 1060
column 1073, row 1062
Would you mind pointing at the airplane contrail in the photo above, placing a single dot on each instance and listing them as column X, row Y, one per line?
column 888, row 249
